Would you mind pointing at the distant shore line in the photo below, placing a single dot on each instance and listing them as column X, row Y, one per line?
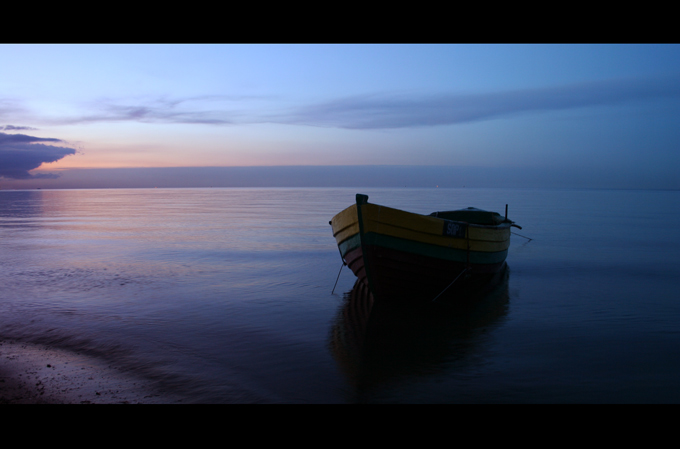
column 366, row 176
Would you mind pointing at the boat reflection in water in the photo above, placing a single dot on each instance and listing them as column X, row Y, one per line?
column 379, row 343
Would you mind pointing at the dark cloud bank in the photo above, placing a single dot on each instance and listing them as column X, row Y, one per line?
column 20, row 154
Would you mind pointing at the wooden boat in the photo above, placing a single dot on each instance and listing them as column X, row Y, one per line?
column 399, row 254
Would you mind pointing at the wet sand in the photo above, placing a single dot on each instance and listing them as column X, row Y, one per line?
column 32, row 374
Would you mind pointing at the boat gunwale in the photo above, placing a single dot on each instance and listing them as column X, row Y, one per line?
column 500, row 225
column 346, row 225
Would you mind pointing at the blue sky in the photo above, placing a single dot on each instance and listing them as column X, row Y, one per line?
column 609, row 109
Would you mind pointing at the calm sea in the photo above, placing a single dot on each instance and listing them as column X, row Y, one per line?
column 224, row 295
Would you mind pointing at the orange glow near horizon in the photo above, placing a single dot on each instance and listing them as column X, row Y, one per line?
column 211, row 154
column 234, row 159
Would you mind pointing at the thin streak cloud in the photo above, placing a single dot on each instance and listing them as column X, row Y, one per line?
column 377, row 110
column 17, row 128
column 400, row 111
column 165, row 110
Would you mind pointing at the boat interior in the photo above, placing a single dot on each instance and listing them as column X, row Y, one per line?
column 471, row 215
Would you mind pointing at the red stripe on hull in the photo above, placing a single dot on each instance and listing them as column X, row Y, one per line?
column 355, row 262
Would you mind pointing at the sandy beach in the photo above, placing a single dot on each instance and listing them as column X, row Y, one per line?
column 33, row 374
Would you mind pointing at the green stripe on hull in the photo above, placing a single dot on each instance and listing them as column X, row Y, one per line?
column 350, row 244
column 422, row 249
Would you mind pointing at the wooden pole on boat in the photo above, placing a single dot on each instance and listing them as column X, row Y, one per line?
column 506, row 212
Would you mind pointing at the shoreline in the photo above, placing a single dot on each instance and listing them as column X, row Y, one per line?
column 35, row 374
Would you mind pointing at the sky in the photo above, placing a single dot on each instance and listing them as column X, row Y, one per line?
column 532, row 115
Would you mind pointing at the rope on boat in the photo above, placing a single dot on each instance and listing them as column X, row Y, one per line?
column 447, row 287
column 530, row 239
column 338, row 278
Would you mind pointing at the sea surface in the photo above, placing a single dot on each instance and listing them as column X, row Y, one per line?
column 225, row 295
